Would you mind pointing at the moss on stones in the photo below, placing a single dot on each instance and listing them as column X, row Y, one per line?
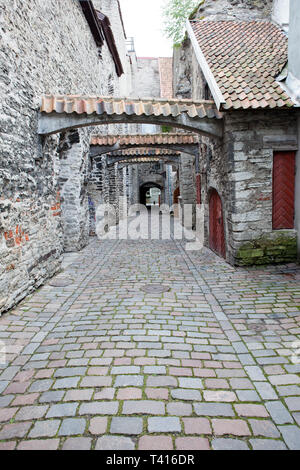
column 282, row 249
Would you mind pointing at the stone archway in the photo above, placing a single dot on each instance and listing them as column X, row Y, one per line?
column 145, row 187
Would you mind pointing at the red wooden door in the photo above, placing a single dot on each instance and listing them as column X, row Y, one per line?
column 284, row 166
column 216, row 225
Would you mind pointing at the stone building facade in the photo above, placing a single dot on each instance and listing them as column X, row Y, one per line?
column 48, row 47
column 240, row 166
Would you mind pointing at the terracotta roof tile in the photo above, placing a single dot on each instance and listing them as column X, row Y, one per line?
column 245, row 59
column 129, row 106
column 144, row 152
column 143, row 140
column 140, row 160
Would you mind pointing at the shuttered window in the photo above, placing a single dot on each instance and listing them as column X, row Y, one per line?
column 283, row 190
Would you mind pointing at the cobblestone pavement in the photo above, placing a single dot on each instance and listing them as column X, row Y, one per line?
column 100, row 364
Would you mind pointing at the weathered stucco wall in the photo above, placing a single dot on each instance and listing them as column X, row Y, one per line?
column 46, row 47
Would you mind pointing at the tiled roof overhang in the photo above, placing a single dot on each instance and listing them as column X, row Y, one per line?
column 144, row 152
column 187, row 143
column 241, row 61
column 138, row 154
column 135, row 161
column 61, row 113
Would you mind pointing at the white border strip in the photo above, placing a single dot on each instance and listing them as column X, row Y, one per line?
column 215, row 90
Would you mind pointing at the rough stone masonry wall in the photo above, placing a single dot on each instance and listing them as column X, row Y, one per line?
column 250, row 141
column 46, row 47
column 234, row 9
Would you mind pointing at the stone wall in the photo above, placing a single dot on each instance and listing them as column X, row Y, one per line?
column 147, row 80
column 243, row 10
column 46, row 47
column 250, row 141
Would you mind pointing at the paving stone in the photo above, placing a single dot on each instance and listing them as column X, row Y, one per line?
column 213, row 409
column 190, row 383
column 3, row 385
column 78, row 395
column 70, row 382
column 40, row 385
column 155, row 370
column 216, row 384
column 229, row 444
column 160, row 424
column 186, row 394
column 161, row 381
column 264, row 428
column 47, row 428
column 145, row 407
column 14, row 430
column 293, row 403
column 242, row 384
column 251, row 410
column 247, row 395
column 129, row 380
column 278, row 412
column 197, row 426
column 39, row 444
column 255, row 373
column 99, row 408
column 192, row 443
column 77, row 443
column 6, row 400
column 155, row 443
column 61, row 410
column 70, row 371
column 114, row 443
column 120, row 370
column 179, row 409
column 266, row 391
column 291, row 436
column 286, row 379
column 31, row 412
column 234, row 427
column 50, row 397
column 219, row 395
column 267, row 444
column 92, row 381
column 126, row 425
column 296, row 417
column 288, row 390
column 7, row 413
column 98, row 426
column 72, row 427
column 9, row 373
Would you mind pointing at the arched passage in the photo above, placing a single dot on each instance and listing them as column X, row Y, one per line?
column 176, row 142
column 145, row 188
column 216, row 224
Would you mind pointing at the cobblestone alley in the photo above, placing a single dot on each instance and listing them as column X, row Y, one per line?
column 101, row 361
